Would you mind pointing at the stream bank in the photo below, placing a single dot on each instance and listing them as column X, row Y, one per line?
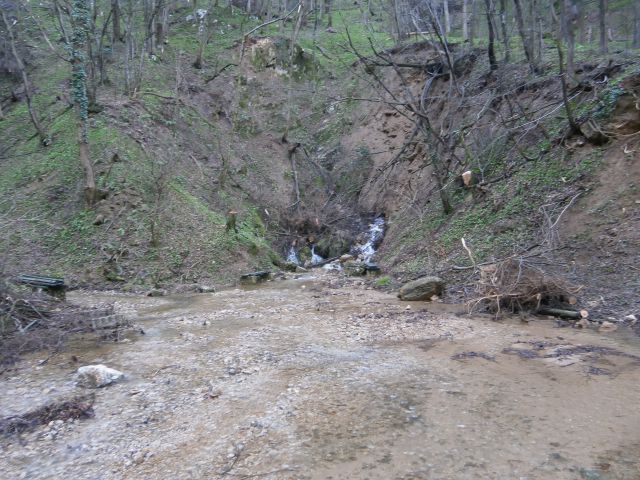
column 320, row 377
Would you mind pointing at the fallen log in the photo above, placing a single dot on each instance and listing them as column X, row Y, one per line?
column 562, row 313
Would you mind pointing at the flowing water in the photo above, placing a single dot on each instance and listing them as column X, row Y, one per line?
column 315, row 258
column 319, row 377
column 292, row 256
column 367, row 250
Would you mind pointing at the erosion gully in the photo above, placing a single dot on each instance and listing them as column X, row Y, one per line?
column 320, row 377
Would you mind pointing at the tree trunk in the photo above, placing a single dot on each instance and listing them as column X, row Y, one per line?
column 526, row 41
column 505, row 32
column 42, row 134
column 447, row 18
column 491, row 49
column 81, row 26
column 472, row 23
column 636, row 25
column 575, row 128
column 602, row 20
column 117, row 32
column 570, row 17
column 465, row 20
column 327, row 12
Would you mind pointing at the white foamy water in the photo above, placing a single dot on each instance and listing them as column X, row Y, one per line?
column 292, row 256
column 315, row 258
column 367, row 250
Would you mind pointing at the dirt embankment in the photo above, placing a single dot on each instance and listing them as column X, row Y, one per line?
column 529, row 174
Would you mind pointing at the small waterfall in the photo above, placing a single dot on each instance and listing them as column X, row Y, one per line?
column 374, row 235
column 292, row 256
column 315, row 258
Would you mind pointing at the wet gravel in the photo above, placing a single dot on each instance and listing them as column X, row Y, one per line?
column 324, row 378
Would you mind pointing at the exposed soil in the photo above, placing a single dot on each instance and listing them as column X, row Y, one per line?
column 319, row 377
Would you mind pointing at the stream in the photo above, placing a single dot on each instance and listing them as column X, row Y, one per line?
column 363, row 251
column 320, row 377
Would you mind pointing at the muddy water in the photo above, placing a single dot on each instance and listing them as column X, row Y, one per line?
column 309, row 379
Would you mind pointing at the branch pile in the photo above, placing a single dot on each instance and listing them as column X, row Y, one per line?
column 76, row 408
column 35, row 321
column 519, row 284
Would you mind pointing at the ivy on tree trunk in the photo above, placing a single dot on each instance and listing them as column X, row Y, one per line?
column 81, row 26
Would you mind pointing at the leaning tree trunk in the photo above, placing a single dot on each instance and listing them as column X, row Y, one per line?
column 80, row 29
column 42, row 134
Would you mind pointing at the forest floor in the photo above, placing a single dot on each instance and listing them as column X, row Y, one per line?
column 321, row 377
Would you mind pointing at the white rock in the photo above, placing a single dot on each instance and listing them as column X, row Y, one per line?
column 608, row 327
column 95, row 376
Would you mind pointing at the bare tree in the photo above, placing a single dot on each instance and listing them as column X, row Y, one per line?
column 527, row 42
column 491, row 49
column 447, row 17
column 569, row 21
column 505, row 32
column 117, row 31
column 28, row 93
column 636, row 25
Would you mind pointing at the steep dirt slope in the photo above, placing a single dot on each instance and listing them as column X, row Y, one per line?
column 530, row 172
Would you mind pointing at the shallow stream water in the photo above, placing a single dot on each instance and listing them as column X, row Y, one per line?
column 312, row 378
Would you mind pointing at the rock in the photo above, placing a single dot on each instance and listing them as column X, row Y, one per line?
column 422, row 289
column 289, row 266
column 607, row 327
column 206, row 289
column 95, row 376
column 255, row 277
column 346, row 258
column 157, row 292
column 354, row 269
column 99, row 220
column 582, row 323
column 468, row 179
column 372, row 269
column 593, row 133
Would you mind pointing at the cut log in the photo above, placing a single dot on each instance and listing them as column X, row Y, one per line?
column 559, row 312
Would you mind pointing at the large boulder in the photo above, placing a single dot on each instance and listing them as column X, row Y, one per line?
column 422, row 289
column 95, row 376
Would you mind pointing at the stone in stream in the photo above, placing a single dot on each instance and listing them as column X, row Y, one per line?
column 157, row 292
column 346, row 258
column 206, row 289
column 96, row 376
column 422, row 289
column 372, row 269
column 255, row 277
column 354, row 269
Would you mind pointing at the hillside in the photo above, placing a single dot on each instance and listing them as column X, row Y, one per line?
column 308, row 142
